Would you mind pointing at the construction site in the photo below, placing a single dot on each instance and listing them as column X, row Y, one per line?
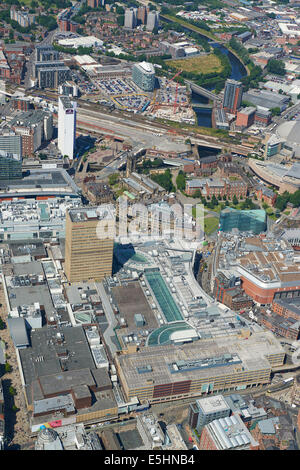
column 169, row 100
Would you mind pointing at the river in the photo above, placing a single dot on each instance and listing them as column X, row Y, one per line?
column 237, row 72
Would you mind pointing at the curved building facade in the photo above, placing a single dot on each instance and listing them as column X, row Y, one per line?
column 282, row 177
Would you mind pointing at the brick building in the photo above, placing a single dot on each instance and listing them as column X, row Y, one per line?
column 262, row 116
column 204, row 166
column 98, row 193
column 245, row 117
column 266, row 195
column 227, row 290
column 217, row 187
column 275, row 433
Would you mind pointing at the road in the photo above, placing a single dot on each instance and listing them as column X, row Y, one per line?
column 287, row 115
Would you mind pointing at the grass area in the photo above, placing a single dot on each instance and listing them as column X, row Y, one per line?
column 210, row 224
column 208, row 34
column 209, row 63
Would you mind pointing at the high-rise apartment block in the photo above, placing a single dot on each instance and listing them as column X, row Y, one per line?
column 232, row 96
column 143, row 75
column 45, row 53
column 51, row 74
column 66, row 126
column 130, row 20
column 48, row 70
column 142, row 14
column 152, row 20
column 22, row 17
column 89, row 243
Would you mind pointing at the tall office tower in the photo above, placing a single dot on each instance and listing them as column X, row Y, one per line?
column 232, row 96
column 66, row 126
column 130, row 20
column 89, row 243
column 142, row 14
column 152, row 20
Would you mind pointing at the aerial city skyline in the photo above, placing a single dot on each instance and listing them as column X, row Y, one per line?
column 150, row 227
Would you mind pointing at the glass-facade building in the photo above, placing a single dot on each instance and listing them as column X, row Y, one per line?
column 143, row 75
column 232, row 95
column 245, row 221
column 10, row 168
column 10, row 157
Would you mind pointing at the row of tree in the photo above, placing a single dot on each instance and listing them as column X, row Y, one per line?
column 164, row 180
column 283, row 199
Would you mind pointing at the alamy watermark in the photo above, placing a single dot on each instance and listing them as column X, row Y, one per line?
column 156, row 221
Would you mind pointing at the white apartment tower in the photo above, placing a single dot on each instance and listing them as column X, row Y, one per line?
column 130, row 20
column 66, row 126
column 152, row 20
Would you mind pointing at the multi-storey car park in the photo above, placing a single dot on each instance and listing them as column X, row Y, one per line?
column 174, row 372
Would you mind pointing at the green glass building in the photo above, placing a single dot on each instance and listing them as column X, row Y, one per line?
column 245, row 221
column 10, row 168
column 10, row 157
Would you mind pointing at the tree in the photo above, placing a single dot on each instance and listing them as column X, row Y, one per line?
column 7, row 367
column 276, row 111
column 2, row 324
column 120, row 10
column 276, row 66
column 113, row 179
column 120, row 20
column 214, row 201
column 164, row 180
column 235, row 200
column 12, row 391
column 180, row 180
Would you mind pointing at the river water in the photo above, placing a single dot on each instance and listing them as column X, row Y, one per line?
column 237, row 72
